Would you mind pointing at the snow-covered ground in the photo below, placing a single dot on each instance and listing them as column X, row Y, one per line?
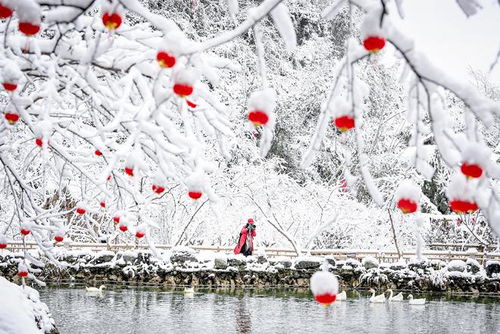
column 22, row 312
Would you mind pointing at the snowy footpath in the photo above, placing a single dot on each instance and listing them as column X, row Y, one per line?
column 185, row 266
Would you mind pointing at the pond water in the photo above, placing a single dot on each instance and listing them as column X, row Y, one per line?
column 254, row 311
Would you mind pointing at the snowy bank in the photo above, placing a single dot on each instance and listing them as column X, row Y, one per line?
column 185, row 266
column 22, row 312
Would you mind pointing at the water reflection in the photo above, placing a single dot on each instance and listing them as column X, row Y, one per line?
column 243, row 318
column 260, row 311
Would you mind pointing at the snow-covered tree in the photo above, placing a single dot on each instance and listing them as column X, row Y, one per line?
column 142, row 120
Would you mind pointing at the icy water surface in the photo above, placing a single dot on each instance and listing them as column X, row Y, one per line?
column 269, row 311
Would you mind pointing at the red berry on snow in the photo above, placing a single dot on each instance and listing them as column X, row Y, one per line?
column 25, row 231
column 123, row 228
column 80, row 211
column 195, row 194
column 165, row 59
column 9, row 86
column 460, row 206
column 5, row 12
column 98, row 153
column 116, row 219
column 471, row 170
column 374, row 44
column 139, row 235
column 108, row 178
column 129, row 171
column 22, row 273
column 12, row 118
column 407, row 205
column 250, row 220
column 344, row 123
column 112, row 22
column 258, row 117
column 183, row 90
column 39, row 142
column 58, row 238
column 29, row 29
column 158, row 189
column 2, row 246
column 191, row 104
column 102, row 204
column 326, row 298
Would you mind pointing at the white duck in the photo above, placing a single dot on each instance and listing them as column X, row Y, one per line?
column 411, row 301
column 93, row 289
column 189, row 291
column 377, row 299
column 341, row 296
column 397, row 298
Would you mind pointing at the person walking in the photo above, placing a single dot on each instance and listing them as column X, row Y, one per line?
column 245, row 240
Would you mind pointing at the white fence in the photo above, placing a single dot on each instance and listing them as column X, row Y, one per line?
column 477, row 252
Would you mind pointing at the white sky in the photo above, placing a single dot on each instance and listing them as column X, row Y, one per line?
column 450, row 39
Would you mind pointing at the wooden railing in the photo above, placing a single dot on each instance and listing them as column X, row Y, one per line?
column 339, row 254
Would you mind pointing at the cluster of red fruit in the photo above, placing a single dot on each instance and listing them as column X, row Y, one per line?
column 123, row 226
column 27, row 28
column 372, row 44
column 59, row 237
column 471, row 171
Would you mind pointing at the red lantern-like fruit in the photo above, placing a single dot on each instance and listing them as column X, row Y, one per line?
column 344, row 123
column 460, row 206
column 324, row 286
column 374, row 44
column 80, row 211
column 112, row 21
column 191, row 104
column 258, row 117
column 12, row 118
column 22, row 273
column 183, row 90
column 165, row 59
column 5, row 12
column 102, row 204
column 28, row 29
column 129, row 171
column 407, row 205
column 116, row 219
column 98, row 153
column 325, row 299
column 25, row 231
column 9, row 86
column 39, row 142
column 123, row 228
column 139, row 235
column 195, row 194
column 58, row 238
column 471, row 170
column 158, row 189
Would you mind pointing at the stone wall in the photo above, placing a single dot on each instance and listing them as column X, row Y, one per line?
column 185, row 267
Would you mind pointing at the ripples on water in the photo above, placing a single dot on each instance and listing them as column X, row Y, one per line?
column 150, row 312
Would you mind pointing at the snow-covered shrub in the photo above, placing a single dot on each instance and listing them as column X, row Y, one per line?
column 457, row 265
column 370, row 262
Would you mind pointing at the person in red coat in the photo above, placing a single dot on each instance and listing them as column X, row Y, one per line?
column 245, row 241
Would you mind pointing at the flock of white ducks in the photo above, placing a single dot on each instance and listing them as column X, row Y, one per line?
column 397, row 298
column 378, row 299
